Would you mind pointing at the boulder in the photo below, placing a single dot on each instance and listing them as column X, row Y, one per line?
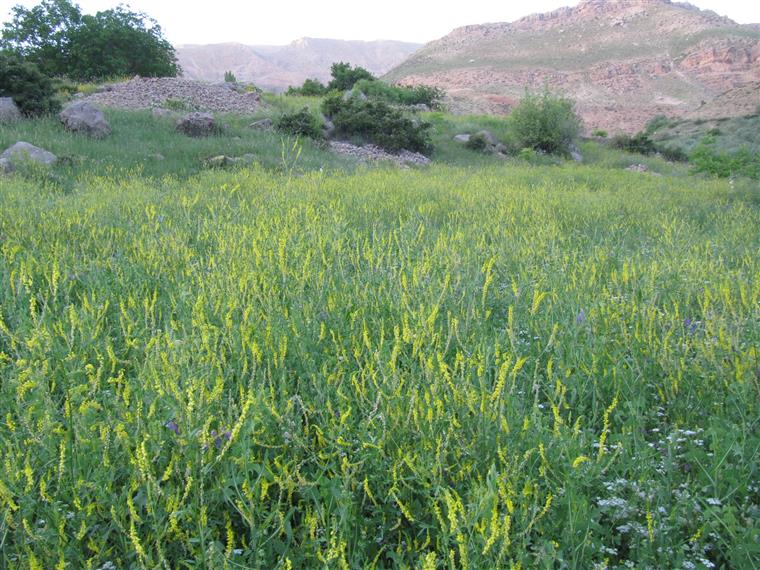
column 328, row 127
column 219, row 161
column 575, row 153
column 22, row 152
column 198, row 125
column 83, row 117
column 262, row 125
column 9, row 112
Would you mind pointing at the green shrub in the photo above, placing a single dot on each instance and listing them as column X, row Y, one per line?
column 706, row 159
column 31, row 90
column 602, row 134
column 477, row 142
column 638, row 144
column 714, row 132
column 229, row 77
column 673, row 153
column 310, row 88
column 378, row 123
column 344, row 77
column 401, row 95
column 657, row 123
column 544, row 122
column 300, row 124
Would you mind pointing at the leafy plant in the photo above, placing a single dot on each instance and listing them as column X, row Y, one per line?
column 300, row 124
column 310, row 88
column 545, row 122
column 600, row 133
column 401, row 95
column 30, row 89
column 229, row 77
column 639, row 143
column 706, row 159
column 344, row 77
column 477, row 142
column 378, row 123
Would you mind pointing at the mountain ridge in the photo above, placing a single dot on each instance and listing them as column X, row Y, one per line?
column 277, row 67
column 623, row 61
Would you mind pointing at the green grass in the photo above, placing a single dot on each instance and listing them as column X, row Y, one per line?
column 138, row 138
column 456, row 367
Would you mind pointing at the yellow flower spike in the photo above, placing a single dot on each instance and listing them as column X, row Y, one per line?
column 581, row 459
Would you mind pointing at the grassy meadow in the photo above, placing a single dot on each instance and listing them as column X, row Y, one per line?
column 456, row 367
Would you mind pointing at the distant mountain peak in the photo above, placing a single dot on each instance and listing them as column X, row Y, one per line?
column 277, row 67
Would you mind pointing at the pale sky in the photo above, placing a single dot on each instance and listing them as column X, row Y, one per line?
column 277, row 22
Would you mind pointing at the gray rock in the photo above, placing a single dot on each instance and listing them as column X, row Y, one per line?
column 464, row 138
column 9, row 112
column 219, row 161
column 420, row 108
column 83, row 117
column 22, row 152
column 328, row 127
column 262, row 125
column 575, row 153
column 198, row 125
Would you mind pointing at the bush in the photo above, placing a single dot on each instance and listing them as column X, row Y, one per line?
column 544, row 122
column 229, row 77
column 657, row 123
column 602, row 134
column 638, row 144
column 30, row 89
column 310, row 88
column 344, row 77
column 300, row 124
column 706, row 159
column 401, row 95
column 477, row 143
column 673, row 153
column 378, row 123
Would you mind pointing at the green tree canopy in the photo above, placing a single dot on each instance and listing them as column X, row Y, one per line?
column 344, row 77
column 62, row 41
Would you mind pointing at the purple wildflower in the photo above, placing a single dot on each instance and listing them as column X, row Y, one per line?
column 581, row 318
column 172, row 425
column 220, row 437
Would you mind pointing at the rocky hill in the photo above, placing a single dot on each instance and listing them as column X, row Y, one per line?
column 277, row 67
column 623, row 61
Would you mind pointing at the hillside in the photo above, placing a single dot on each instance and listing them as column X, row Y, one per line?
column 277, row 67
column 624, row 61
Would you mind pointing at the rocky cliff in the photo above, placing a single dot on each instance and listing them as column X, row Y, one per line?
column 623, row 61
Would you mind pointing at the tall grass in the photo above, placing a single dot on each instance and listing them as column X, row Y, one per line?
column 454, row 368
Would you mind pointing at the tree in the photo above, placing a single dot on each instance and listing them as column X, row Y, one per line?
column 41, row 34
column 117, row 42
column 544, row 122
column 344, row 77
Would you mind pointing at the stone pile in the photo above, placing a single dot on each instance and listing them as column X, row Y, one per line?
column 371, row 153
column 148, row 93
